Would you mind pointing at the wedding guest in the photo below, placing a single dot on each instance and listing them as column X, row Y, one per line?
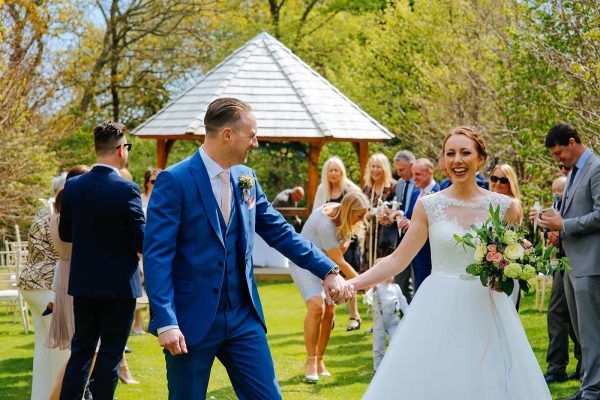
column 290, row 198
column 564, row 170
column 101, row 215
column 559, row 320
column 35, row 284
column 149, row 179
column 334, row 183
column 62, row 323
column 442, row 166
column 332, row 189
column 579, row 225
column 142, row 303
column 504, row 180
column 422, row 170
column 379, row 187
column 387, row 301
column 330, row 228
column 403, row 162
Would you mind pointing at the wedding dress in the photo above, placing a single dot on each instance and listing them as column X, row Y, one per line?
column 459, row 339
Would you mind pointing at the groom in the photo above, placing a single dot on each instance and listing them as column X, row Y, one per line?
column 198, row 244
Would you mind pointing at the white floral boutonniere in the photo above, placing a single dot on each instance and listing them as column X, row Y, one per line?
column 246, row 183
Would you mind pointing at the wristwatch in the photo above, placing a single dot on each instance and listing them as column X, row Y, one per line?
column 335, row 271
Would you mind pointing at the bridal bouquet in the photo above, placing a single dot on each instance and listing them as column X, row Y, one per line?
column 502, row 253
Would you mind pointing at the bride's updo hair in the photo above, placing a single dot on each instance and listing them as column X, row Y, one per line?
column 472, row 134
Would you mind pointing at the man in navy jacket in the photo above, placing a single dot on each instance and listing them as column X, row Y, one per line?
column 101, row 214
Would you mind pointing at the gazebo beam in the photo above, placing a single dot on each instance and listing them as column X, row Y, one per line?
column 362, row 151
column 163, row 148
column 314, row 149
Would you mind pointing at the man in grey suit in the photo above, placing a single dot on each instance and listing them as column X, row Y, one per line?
column 579, row 226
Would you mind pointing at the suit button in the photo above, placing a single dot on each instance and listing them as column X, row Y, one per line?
column 220, row 263
column 215, row 290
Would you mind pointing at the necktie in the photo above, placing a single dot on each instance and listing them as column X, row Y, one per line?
column 573, row 173
column 405, row 195
column 225, row 195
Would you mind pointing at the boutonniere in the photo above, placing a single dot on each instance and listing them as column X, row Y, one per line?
column 246, row 183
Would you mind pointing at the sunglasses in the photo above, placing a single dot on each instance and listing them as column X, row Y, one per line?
column 496, row 179
column 152, row 181
column 126, row 145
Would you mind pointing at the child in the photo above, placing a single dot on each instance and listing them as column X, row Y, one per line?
column 387, row 300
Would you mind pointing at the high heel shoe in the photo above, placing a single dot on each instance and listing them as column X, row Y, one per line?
column 125, row 375
column 354, row 324
column 310, row 370
column 321, row 368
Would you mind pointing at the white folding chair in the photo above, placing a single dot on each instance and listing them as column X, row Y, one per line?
column 10, row 294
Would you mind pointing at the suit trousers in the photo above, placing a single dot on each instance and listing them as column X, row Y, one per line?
column 560, row 329
column 583, row 298
column 110, row 321
column 238, row 340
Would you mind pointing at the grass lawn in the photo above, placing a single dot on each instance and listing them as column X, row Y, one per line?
column 349, row 356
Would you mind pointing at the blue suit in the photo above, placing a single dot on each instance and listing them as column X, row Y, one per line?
column 199, row 276
column 101, row 214
column 421, row 264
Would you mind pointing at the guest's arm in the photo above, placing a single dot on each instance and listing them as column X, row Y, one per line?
column 336, row 255
column 137, row 220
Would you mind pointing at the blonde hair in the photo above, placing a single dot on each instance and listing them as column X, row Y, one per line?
column 512, row 179
column 353, row 201
column 346, row 183
column 381, row 160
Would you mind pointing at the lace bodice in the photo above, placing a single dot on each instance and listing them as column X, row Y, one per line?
column 448, row 216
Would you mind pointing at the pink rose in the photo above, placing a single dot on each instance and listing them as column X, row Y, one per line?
column 492, row 248
column 526, row 244
column 489, row 257
column 503, row 263
column 498, row 257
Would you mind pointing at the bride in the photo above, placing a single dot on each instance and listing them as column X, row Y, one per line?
column 460, row 340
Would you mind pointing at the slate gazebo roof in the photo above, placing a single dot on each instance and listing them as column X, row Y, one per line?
column 291, row 102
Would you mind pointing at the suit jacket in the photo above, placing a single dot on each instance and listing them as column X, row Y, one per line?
column 184, row 250
column 581, row 227
column 101, row 214
column 415, row 197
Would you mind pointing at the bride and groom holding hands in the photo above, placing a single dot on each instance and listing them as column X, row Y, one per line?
column 198, row 268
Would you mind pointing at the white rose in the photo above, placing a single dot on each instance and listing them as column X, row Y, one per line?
column 514, row 251
column 480, row 252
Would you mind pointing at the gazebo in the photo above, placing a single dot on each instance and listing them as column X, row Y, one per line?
column 291, row 101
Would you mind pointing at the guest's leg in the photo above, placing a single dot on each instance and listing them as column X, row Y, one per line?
column 115, row 320
column 46, row 362
column 55, row 394
column 378, row 339
column 83, row 346
column 326, row 324
column 559, row 323
column 312, row 324
column 587, row 295
column 246, row 348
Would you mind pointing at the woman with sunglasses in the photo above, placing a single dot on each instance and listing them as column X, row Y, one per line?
column 149, row 180
column 503, row 180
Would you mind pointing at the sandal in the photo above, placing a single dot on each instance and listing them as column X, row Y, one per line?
column 354, row 324
column 311, row 374
column 321, row 368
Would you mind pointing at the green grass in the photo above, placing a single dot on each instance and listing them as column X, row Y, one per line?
column 349, row 356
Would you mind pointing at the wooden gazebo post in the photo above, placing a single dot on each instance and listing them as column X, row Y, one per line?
column 314, row 150
column 362, row 151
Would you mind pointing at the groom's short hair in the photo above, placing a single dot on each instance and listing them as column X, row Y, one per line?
column 560, row 134
column 223, row 111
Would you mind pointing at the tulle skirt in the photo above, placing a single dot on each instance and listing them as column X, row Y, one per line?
column 62, row 326
column 459, row 340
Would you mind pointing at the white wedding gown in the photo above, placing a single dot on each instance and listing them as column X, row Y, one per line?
column 458, row 340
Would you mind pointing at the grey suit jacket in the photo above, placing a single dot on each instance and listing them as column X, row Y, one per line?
column 581, row 227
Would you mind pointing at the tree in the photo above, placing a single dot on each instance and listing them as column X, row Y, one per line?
column 25, row 162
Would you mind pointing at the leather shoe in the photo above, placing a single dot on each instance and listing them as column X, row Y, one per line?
column 576, row 396
column 552, row 378
column 573, row 376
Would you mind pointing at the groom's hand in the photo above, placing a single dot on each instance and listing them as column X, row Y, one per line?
column 336, row 288
column 173, row 341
